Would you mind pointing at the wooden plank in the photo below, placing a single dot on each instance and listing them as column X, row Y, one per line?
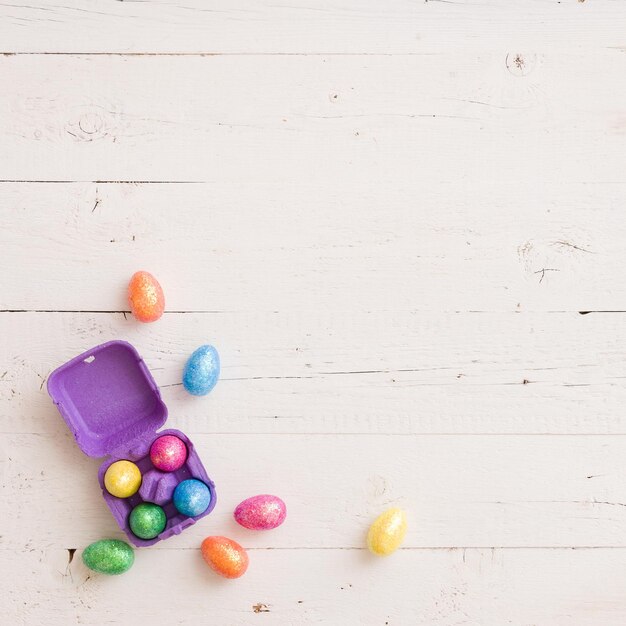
column 349, row 178
column 301, row 246
column 344, row 373
column 477, row 587
column 243, row 26
column 458, row 491
column 344, row 122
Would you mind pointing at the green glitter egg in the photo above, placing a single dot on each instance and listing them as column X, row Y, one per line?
column 147, row 520
column 109, row 556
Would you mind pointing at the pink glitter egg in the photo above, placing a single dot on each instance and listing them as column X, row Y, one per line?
column 262, row 512
column 168, row 453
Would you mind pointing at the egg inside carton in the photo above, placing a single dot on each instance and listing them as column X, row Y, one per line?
column 113, row 406
column 157, row 487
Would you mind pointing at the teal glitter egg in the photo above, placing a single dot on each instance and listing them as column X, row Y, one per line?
column 201, row 371
column 147, row 520
column 109, row 556
column 192, row 497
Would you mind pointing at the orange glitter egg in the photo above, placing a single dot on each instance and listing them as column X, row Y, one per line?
column 225, row 556
column 146, row 298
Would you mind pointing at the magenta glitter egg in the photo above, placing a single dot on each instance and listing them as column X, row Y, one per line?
column 168, row 453
column 262, row 512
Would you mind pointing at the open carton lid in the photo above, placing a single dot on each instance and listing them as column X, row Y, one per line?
column 108, row 398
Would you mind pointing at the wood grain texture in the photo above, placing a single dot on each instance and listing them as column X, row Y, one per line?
column 320, row 372
column 389, row 218
column 293, row 587
column 364, row 122
column 298, row 246
column 458, row 491
column 302, row 26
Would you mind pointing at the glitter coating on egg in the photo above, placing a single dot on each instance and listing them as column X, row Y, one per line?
column 168, row 453
column 225, row 556
column 191, row 497
column 147, row 520
column 145, row 296
column 387, row 532
column 109, row 556
column 262, row 512
column 201, row 371
column 122, row 479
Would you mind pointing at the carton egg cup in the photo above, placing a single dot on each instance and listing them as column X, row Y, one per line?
column 113, row 407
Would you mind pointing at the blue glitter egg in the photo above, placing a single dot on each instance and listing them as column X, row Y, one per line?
column 192, row 497
column 201, row 371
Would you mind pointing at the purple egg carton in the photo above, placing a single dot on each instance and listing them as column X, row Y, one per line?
column 113, row 407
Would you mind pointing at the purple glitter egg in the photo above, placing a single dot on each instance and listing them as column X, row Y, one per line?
column 262, row 512
column 168, row 453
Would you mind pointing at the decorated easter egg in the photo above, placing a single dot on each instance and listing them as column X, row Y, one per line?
column 201, row 371
column 147, row 520
column 387, row 532
column 225, row 556
column 262, row 512
column 191, row 497
column 145, row 296
column 168, row 453
column 109, row 556
column 122, row 479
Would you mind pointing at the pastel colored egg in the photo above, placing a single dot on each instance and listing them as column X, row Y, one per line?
column 168, row 453
column 225, row 556
column 147, row 520
column 192, row 497
column 145, row 296
column 262, row 512
column 109, row 556
column 122, row 479
column 387, row 532
column 201, row 371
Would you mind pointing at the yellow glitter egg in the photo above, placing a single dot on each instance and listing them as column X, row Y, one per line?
column 122, row 479
column 387, row 532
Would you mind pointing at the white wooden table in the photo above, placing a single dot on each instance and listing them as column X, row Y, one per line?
column 402, row 224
